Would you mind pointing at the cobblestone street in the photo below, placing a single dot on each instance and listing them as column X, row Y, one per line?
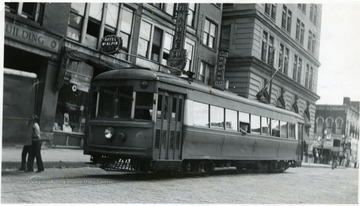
column 92, row 185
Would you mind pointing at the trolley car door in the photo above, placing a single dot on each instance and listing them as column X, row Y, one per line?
column 168, row 126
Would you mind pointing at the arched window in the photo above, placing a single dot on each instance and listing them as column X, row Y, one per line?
column 339, row 123
column 319, row 125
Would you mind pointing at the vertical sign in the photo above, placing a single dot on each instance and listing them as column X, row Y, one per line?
column 177, row 57
column 220, row 72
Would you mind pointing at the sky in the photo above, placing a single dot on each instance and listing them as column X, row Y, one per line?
column 339, row 73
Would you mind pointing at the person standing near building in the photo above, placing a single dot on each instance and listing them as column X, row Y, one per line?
column 334, row 156
column 25, row 151
column 35, row 150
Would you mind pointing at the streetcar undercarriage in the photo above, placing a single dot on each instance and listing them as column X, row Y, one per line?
column 139, row 165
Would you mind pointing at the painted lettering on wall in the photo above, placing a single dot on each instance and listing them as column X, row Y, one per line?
column 31, row 36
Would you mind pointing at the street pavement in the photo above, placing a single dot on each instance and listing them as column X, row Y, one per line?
column 68, row 158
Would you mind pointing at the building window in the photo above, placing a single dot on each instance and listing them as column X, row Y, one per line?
column 310, row 41
column 338, row 122
column 283, row 59
column 319, row 125
column 209, row 34
column 31, row 11
column 144, row 41
column 302, row 7
column 307, row 75
column 329, row 124
column 270, row 9
column 156, row 44
column 311, row 78
column 191, row 15
column 313, row 13
column 286, row 19
column 267, row 49
column 76, row 20
column 295, row 67
column 117, row 20
column 189, row 57
column 299, row 71
column 313, row 43
column 205, row 72
column 300, row 30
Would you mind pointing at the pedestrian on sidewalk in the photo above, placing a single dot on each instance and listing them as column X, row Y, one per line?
column 25, row 151
column 35, row 150
column 334, row 156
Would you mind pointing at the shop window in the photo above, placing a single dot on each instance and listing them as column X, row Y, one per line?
column 283, row 129
column 216, row 117
column 244, row 122
column 31, row 11
column 265, row 126
column 231, row 120
column 201, row 114
column 255, row 124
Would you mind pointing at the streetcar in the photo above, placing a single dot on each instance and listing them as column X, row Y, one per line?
column 148, row 121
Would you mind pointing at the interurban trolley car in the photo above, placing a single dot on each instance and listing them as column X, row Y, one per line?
column 147, row 121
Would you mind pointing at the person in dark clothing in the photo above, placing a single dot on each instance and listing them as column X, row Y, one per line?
column 35, row 150
column 25, row 151
column 334, row 159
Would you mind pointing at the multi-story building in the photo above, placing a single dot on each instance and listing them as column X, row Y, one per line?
column 279, row 40
column 62, row 44
column 337, row 128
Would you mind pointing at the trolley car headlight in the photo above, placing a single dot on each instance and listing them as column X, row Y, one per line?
column 109, row 132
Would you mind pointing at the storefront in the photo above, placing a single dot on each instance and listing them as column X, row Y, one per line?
column 79, row 65
column 28, row 48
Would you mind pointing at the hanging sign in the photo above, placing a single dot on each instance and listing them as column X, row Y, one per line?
column 111, row 44
column 220, row 73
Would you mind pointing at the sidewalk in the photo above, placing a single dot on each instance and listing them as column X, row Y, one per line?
column 52, row 157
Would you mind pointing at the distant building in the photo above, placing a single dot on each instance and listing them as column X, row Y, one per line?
column 62, row 44
column 337, row 128
column 261, row 38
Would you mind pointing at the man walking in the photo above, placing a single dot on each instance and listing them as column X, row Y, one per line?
column 35, row 151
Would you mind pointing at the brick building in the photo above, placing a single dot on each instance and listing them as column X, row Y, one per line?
column 337, row 128
column 61, row 43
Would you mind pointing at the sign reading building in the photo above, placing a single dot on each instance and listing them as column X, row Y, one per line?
column 111, row 44
column 220, row 72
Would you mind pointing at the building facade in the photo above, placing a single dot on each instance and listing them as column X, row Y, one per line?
column 279, row 41
column 62, row 44
column 337, row 128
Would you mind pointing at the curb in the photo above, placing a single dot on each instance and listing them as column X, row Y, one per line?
column 53, row 164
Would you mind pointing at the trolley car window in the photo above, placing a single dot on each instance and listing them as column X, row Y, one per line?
column 255, row 124
column 265, row 125
column 143, row 106
column 275, row 128
column 244, row 119
column 283, row 129
column 201, row 114
column 216, row 117
column 231, row 120
column 291, row 130
column 115, row 102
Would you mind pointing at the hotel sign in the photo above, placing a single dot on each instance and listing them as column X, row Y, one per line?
column 111, row 44
column 220, row 73
column 32, row 37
